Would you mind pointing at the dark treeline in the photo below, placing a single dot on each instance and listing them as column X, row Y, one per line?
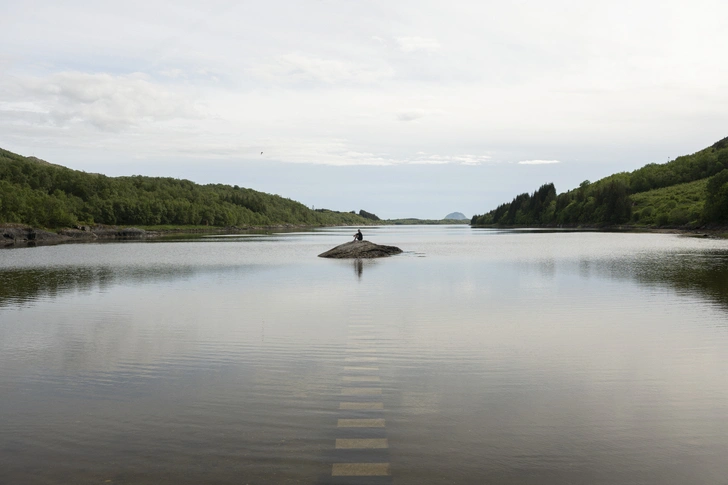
column 368, row 215
column 716, row 202
column 608, row 202
column 41, row 194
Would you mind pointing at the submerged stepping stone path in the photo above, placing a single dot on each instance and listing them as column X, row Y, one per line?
column 360, row 250
column 361, row 448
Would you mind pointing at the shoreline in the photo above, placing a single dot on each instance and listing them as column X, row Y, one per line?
column 720, row 232
column 21, row 235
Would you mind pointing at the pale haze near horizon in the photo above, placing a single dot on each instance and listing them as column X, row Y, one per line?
column 403, row 109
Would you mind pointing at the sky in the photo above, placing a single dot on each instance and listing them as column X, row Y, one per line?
column 400, row 108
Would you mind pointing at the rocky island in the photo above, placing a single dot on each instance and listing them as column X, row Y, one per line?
column 360, row 250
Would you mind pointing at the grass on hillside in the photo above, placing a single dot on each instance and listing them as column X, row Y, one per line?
column 677, row 205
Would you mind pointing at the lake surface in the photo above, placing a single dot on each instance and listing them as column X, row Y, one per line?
column 477, row 356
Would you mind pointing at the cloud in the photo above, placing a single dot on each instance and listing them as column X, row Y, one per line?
column 297, row 68
column 339, row 152
column 413, row 44
column 322, row 151
column 344, row 83
column 467, row 159
column 172, row 73
column 411, row 115
column 105, row 101
column 538, row 162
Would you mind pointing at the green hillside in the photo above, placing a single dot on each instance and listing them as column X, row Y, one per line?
column 677, row 205
column 41, row 194
column 691, row 190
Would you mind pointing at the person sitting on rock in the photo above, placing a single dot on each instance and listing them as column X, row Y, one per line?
column 358, row 236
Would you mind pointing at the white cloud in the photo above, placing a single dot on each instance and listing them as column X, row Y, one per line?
column 466, row 159
column 411, row 115
column 413, row 44
column 538, row 162
column 103, row 100
column 172, row 73
column 297, row 68
column 20, row 107
column 330, row 152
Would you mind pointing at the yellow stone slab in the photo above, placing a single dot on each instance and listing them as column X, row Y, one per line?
column 361, row 406
column 362, row 444
column 361, row 423
column 361, row 391
column 360, row 469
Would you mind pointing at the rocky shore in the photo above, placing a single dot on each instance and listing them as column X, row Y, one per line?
column 18, row 235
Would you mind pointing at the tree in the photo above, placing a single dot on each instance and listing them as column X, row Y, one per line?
column 716, row 203
column 368, row 215
column 38, row 193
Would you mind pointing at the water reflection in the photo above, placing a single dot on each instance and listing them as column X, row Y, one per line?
column 511, row 358
column 704, row 274
column 700, row 273
column 23, row 286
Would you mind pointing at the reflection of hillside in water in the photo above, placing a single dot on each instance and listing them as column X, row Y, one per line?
column 704, row 274
column 22, row 286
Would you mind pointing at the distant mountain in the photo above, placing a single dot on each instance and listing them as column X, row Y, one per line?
column 455, row 215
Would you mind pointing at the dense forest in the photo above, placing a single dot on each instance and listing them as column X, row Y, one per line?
column 40, row 194
column 691, row 190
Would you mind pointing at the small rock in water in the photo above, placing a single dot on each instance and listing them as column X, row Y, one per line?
column 360, row 250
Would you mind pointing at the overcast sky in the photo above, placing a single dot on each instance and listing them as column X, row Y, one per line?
column 404, row 109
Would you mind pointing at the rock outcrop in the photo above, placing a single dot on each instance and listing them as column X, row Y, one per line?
column 11, row 236
column 17, row 235
column 360, row 250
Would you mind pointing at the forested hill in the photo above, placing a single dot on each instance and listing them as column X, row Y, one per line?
column 691, row 190
column 41, row 194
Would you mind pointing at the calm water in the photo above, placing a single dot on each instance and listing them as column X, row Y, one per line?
column 477, row 356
